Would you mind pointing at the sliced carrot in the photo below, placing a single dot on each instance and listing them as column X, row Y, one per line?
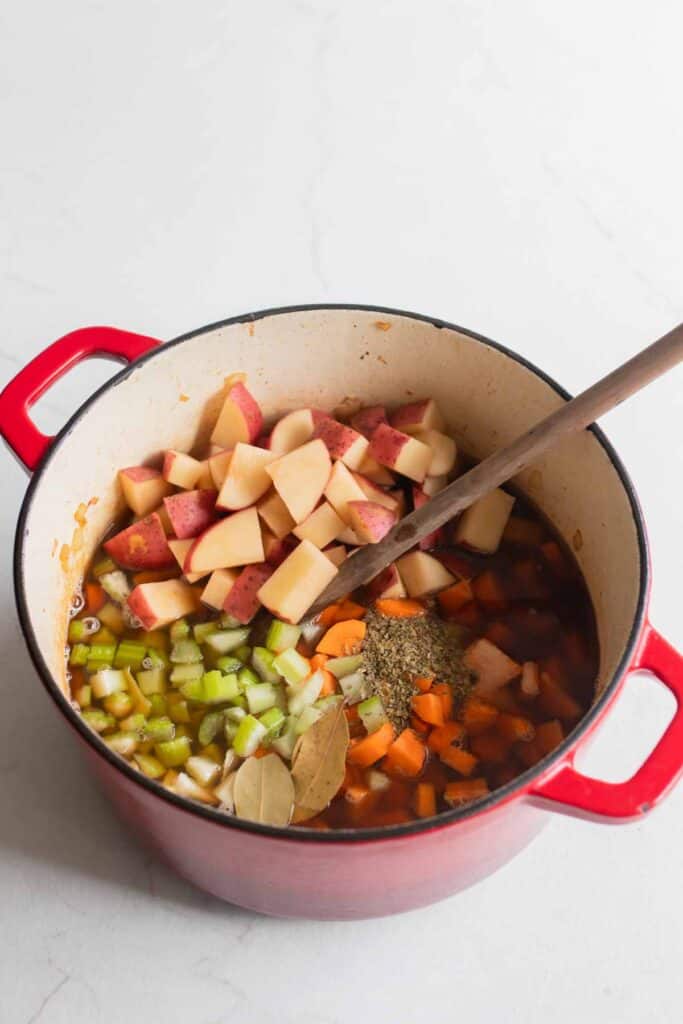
column 555, row 701
column 424, row 683
column 490, row 747
column 451, row 732
column 425, row 800
column 459, row 760
column 549, row 735
column 466, row 790
column 454, row 598
column 370, row 749
column 319, row 661
column 445, row 695
column 489, row 590
column 407, row 754
column 429, row 708
column 329, row 683
column 515, row 727
column 478, row 715
column 419, row 726
column 95, row 597
column 261, row 752
column 154, row 576
column 343, row 638
column 340, row 612
column 399, row 607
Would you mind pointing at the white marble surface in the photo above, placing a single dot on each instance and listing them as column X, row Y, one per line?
column 514, row 168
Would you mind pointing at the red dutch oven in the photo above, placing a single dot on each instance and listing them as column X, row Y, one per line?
column 317, row 356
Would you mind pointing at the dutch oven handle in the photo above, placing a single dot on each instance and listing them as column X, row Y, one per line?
column 16, row 426
column 577, row 794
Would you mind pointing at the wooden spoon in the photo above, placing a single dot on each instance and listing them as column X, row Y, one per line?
column 573, row 416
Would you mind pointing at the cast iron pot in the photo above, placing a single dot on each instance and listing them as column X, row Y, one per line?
column 316, row 356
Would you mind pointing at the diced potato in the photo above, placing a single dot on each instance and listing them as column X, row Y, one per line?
column 481, row 525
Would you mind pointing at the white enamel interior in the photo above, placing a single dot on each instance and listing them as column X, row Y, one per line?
column 318, row 358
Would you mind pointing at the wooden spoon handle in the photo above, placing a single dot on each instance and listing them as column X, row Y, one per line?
column 571, row 417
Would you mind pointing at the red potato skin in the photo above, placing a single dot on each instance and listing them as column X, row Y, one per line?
column 386, row 444
column 263, row 441
column 242, row 602
column 370, row 520
column 191, row 512
column 435, row 538
column 278, row 550
column 249, row 408
column 140, row 605
column 411, row 415
column 367, row 420
column 139, row 473
column 337, row 437
column 141, row 546
column 382, row 582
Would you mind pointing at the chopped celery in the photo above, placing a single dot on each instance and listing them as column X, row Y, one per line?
column 229, row 664
column 156, row 659
column 124, row 743
column 158, row 704
column 149, row 766
column 204, row 629
column 354, row 687
column 306, row 719
column 249, row 734
column 372, row 713
column 79, row 654
column 226, row 641
column 273, row 719
column 260, row 697
column 116, row 585
column 262, row 659
column 159, row 730
column 230, row 731
column 139, row 700
column 92, row 666
column 152, row 680
column 180, row 630
column 292, row 666
column 280, row 699
column 240, row 701
column 118, row 704
column 104, row 636
column 247, row 677
column 282, row 635
column 83, row 695
column 129, row 653
column 243, row 653
column 103, row 566
column 377, row 781
column 107, row 681
column 284, row 744
column 179, row 712
column 344, row 666
column 78, row 631
column 305, row 694
column 99, row 720
column 203, row 770
column 103, row 652
column 185, row 652
column 193, row 689
column 111, row 616
column 229, row 622
column 210, row 727
column 332, row 699
column 183, row 673
column 173, row 753
column 134, row 723
column 219, row 688
column 235, row 714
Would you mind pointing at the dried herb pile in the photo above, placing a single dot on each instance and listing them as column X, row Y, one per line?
column 397, row 651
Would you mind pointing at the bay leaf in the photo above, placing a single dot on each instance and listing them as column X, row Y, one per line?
column 263, row 790
column 319, row 763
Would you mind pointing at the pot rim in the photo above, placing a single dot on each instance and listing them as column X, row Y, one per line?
column 445, row 819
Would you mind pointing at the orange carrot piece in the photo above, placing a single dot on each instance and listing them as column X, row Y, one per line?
column 466, row 790
column 429, row 708
column 445, row 695
column 425, row 800
column 418, row 726
column 555, row 701
column 261, row 752
column 478, row 715
column 319, row 661
column 515, row 727
column 329, row 683
column 95, row 597
column 424, row 683
column 399, row 607
column 489, row 590
column 454, row 598
column 340, row 612
column 451, row 732
column 343, row 638
column 549, row 735
column 370, row 749
column 459, row 760
column 490, row 747
column 407, row 754
column 327, row 616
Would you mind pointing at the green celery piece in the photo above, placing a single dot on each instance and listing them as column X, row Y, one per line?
column 111, row 617
column 247, row 677
column 149, row 766
column 282, row 635
column 123, row 743
column 152, row 680
column 179, row 712
column 157, row 658
column 107, row 681
column 204, row 629
column 230, row 731
column 332, row 699
column 103, row 652
column 284, row 743
column 274, row 720
column 372, row 713
column 129, row 653
column 354, row 687
column 183, row 673
column 83, row 695
column 305, row 694
column 96, row 666
column 209, row 727
column 98, row 719
column 243, row 653
column 158, row 704
column 262, row 659
column 292, row 666
column 159, row 730
column 104, row 565
column 78, row 631
column 260, row 697
column 219, row 688
column 229, row 621
column 306, row 719
column 344, row 666
column 180, row 630
column 185, row 652
column 119, row 704
column 235, row 714
column 228, row 664
column 240, row 701
column 249, row 734
column 134, row 723
column 226, row 641
column 193, row 689
column 173, row 753
column 79, row 654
